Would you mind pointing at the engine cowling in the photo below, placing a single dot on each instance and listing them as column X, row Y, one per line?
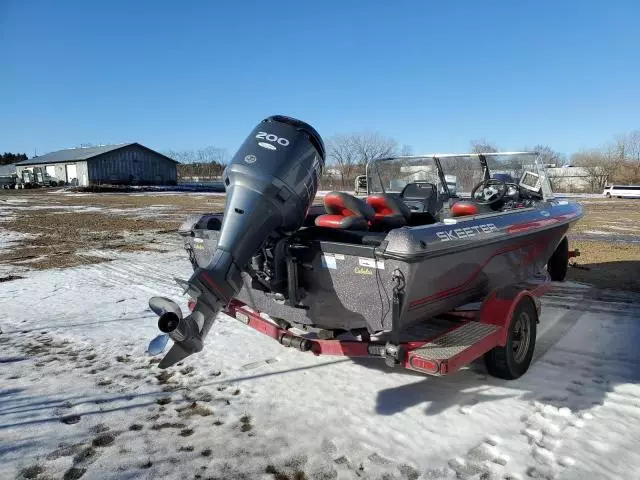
column 271, row 183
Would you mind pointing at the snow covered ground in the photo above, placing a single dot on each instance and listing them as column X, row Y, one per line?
column 79, row 396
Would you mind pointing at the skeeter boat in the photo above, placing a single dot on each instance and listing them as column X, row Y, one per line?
column 409, row 251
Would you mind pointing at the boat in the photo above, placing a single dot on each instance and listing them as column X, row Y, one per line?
column 405, row 253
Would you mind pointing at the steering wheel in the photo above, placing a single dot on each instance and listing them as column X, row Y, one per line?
column 492, row 191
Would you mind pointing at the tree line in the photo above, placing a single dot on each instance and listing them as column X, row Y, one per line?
column 202, row 164
column 9, row 158
column 618, row 161
column 347, row 156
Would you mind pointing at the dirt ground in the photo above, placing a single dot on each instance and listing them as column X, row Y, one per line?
column 64, row 229
column 608, row 238
column 69, row 229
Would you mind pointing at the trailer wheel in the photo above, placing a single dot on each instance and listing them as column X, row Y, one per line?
column 559, row 262
column 513, row 360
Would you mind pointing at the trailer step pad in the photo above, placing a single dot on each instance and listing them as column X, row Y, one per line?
column 455, row 341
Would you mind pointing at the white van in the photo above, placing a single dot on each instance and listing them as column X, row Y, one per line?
column 621, row 191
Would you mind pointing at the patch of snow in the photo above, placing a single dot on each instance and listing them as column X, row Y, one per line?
column 9, row 238
column 75, row 373
column 181, row 193
column 153, row 211
column 64, row 208
column 623, row 229
column 578, row 195
column 599, row 202
column 142, row 212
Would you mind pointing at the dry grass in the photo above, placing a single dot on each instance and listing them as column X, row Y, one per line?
column 194, row 409
column 65, row 236
column 612, row 260
column 599, row 214
column 610, row 265
column 90, row 226
column 184, row 202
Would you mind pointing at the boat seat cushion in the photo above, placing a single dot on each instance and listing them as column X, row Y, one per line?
column 346, row 212
column 462, row 208
column 390, row 212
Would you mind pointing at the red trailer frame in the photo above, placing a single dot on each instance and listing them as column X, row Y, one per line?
column 476, row 332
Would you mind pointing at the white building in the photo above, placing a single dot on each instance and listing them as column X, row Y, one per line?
column 569, row 179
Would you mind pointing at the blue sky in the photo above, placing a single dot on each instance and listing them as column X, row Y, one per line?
column 431, row 74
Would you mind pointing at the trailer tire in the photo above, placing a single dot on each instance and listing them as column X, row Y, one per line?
column 559, row 262
column 513, row 360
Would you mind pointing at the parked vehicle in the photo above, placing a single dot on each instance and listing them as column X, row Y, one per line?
column 8, row 176
column 371, row 274
column 622, row 191
column 452, row 183
column 361, row 185
column 38, row 177
column 8, row 181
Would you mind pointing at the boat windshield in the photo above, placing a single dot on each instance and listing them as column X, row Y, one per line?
column 458, row 173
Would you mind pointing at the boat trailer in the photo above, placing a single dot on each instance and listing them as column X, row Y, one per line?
column 439, row 346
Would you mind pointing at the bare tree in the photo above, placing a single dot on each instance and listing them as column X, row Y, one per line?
column 599, row 166
column 350, row 153
column 206, row 162
column 549, row 156
column 406, row 150
column 370, row 146
column 466, row 171
column 342, row 153
column 628, row 146
column 483, row 146
column 557, row 183
column 208, row 154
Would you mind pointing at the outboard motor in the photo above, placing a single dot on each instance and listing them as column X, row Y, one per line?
column 270, row 183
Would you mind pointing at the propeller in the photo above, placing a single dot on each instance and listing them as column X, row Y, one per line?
column 158, row 344
column 160, row 306
column 188, row 333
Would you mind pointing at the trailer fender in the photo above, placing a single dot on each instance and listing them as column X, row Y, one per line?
column 497, row 308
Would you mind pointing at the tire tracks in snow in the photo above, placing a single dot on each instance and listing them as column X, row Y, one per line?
column 147, row 278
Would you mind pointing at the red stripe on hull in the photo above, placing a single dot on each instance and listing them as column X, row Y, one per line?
column 528, row 259
column 460, row 288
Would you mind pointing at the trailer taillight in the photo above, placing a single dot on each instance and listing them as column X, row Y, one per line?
column 428, row 366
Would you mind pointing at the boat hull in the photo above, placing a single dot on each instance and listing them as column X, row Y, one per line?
column 444, row 265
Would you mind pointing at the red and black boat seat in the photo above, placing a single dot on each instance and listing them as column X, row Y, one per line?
column 346, row 212
column 390, row 212
column 462, row 208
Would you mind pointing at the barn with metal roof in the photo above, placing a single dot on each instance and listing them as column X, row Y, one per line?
column 127, row 163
